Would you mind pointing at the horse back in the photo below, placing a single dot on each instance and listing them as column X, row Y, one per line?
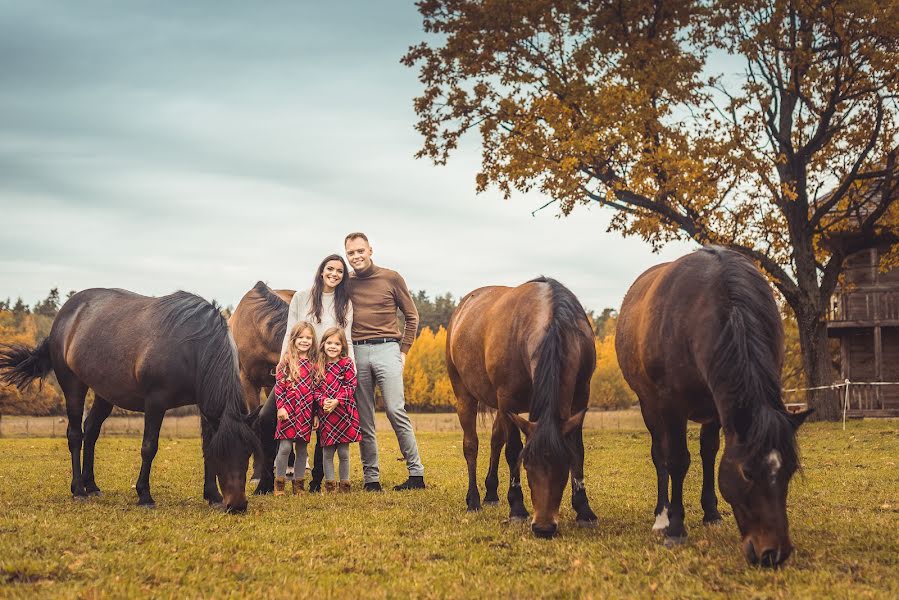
column 667, row 330
column 110, row 340
column 492, row 343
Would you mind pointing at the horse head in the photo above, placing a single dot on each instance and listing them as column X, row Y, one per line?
column 233, row 441
column 546, row 458
column 755, row 484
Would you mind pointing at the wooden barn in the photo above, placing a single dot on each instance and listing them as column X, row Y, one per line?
column 864, row 317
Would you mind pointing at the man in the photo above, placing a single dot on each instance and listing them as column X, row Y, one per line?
column 376, row 294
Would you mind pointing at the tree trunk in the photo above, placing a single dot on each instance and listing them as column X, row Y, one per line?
column 817, row 365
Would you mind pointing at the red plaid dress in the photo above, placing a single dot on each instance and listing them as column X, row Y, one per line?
column 341, row 425
column 297, row 398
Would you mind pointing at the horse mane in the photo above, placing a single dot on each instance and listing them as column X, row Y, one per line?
column 273, row 310
column 547, row 444
column 747, row 359
column 188, row 320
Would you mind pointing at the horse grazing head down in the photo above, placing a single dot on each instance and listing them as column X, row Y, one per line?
column 229, row 449
column 754, row 477
column 547, row 459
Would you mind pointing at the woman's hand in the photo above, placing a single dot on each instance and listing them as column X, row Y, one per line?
column 282, row 414
column 315, row 422
column 330, row 404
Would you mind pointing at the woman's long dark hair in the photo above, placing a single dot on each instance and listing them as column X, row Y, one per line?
column 341, row 297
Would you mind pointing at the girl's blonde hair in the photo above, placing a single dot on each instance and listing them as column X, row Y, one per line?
column 291, row 369
column 322, row 360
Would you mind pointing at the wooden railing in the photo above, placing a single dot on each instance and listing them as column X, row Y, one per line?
column 864, row 305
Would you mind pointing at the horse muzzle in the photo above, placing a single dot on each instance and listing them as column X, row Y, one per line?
column 766, row 555
column 545, row 531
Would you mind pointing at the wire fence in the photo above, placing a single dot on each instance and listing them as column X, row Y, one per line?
column 858, row 398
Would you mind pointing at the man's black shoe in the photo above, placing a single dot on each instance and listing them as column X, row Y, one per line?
column 373, row 486
column 415, row 482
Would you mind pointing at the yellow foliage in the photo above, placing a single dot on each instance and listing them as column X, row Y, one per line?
column 426, row 382
column 608, row 389
column 36, row 399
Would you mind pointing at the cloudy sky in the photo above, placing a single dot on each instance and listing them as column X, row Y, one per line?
column 207, row 145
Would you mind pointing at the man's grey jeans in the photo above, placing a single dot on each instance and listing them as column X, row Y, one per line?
column 382, row 365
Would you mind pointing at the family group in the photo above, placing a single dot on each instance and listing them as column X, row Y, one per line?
column 343, row 340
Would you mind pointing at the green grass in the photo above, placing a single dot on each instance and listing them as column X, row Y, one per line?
column 844, row 517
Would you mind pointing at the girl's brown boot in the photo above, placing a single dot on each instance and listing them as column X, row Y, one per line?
column 344, row 487
column 298, row 485
column 330, row 487
column 279, row 485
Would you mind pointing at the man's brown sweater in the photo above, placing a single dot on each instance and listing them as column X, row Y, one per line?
column 376, row 293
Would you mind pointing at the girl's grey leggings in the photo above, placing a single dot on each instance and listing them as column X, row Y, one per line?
column 343, row 456
column 284, row 454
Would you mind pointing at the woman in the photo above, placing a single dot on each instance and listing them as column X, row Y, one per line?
column 325, row 305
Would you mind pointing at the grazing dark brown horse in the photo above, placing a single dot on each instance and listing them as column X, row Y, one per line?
column 258, row 325
column 528, row 348
column 147, row 355
column 701, row 339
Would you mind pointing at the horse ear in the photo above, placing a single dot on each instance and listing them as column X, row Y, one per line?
column 526, row 427
column 797, row 419
column 573, row 422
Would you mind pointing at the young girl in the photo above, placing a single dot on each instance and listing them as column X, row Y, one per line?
column 294, row 398
column 336, row 406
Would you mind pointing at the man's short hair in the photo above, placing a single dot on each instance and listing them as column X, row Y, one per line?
column 355, row 235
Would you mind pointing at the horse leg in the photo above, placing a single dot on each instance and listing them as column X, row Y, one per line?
column 517, row 511
column 497, row 441
column 585, row 516
column 74, row 391
column 661, row 510
column 152, row 424
column 678, row 462
column 467, row 409
column 709, row 441
column 251, row 398
column 210, row 486
column 267, row 422
column 95, row 418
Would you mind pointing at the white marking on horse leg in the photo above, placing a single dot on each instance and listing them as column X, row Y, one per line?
column 577, row 485
column 661, row 520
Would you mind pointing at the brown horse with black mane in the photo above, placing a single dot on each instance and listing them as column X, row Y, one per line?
column 258, row 325
column 701, row 339
column 147, row 355
column 528, row 348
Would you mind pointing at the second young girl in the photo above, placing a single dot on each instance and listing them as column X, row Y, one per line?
column 336, row 406
column 294, row 387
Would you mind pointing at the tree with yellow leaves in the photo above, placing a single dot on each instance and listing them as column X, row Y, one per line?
column 767, row 126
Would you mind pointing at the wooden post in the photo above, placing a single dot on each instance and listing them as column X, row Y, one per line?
column 878, row 366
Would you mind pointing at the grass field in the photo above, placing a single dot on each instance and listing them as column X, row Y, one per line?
column 844, row 516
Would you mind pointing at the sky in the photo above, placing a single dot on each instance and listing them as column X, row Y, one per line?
column 156, row 146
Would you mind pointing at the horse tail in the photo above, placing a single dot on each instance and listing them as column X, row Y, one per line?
column 745, row 367
column 20, row 364
column 562, row 333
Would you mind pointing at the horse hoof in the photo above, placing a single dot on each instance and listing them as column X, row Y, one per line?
column 147, row 505
column 491, row 502
column 95, row 493
column 518, row 519
column 79, row 497
column 473, row 509
column 672, row 541
column 712, row 522
column 587, row 523
column 217, row 506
